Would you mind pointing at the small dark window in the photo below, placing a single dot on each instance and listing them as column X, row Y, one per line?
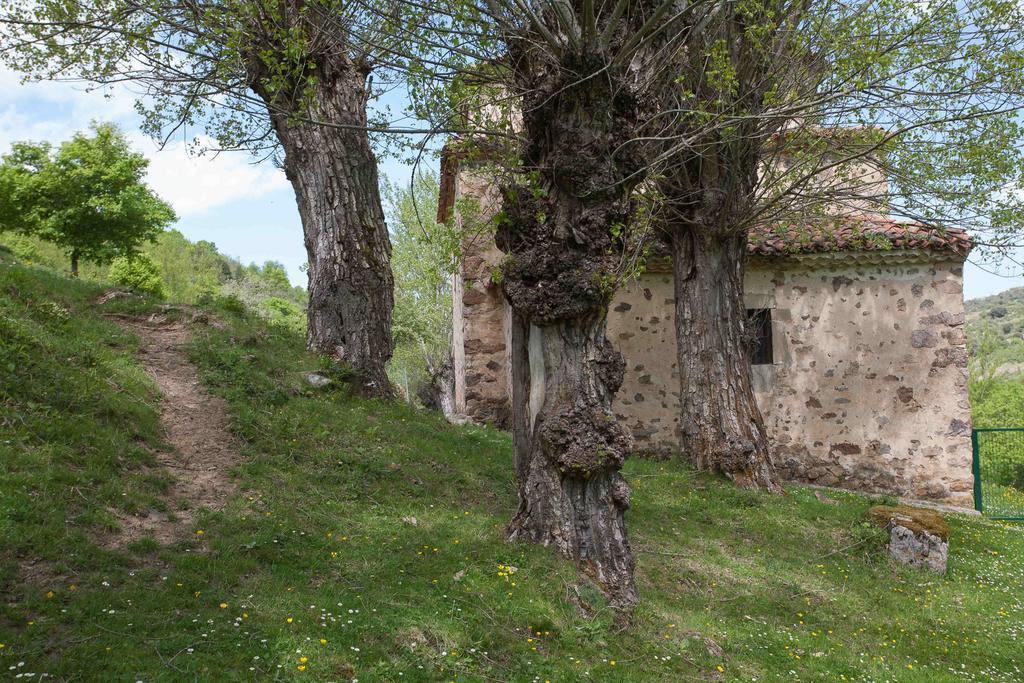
column 759, row 334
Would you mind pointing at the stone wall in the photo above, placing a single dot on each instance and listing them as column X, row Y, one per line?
column 868, row 388
column 872, row 393
column 868, row 385
column 481, row 337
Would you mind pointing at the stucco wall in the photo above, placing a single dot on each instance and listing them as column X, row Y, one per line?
column 872, row 391
column 868, row 386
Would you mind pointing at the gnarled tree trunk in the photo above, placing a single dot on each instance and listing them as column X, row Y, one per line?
column 439, row 392
column 334, row 174
column 569, row 448
column 721, row 425
column 563, row 237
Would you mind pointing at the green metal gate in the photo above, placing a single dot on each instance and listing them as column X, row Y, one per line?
column 999, row 472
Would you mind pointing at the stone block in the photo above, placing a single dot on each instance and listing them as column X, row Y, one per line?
column 921, row 550
column 917, row 537
column 923, row 339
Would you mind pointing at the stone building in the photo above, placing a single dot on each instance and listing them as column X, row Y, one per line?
column 860, row 367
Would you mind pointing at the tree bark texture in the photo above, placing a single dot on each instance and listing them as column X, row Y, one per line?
column 569, row 448
column 562, row 236
column 439, row 392
column 334, row 174
column 74, row 263
column 709, row 188
column 721, row 425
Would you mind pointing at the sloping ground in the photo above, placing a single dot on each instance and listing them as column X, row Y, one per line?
column 194, row 422
column 1010, row 299
column 364, row 541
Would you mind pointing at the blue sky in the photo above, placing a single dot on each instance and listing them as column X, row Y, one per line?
column 246, row 209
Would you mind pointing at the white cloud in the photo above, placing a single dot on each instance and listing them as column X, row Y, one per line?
column 53, row 111
column 73, row 104
column 195, row 184
column 16, row 125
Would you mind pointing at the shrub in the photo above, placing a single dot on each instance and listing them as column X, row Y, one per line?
column 23, row 247
column 139, row 274
column 231, row 303
column 283, row 312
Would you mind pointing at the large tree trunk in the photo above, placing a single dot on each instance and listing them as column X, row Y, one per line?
column 563, row 233
column 569, row 448
column 334, row 174
column 721, row 425
column 74, row 263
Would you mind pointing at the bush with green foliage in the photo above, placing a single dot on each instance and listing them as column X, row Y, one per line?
column 139, row 274
column 283, row 312
column 998, row 402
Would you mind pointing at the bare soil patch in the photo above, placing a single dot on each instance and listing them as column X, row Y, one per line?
column 195, row 423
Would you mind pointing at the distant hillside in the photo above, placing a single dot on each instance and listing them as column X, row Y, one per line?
column 995, row 335
column 189, row 272
column 1002, row 308
column 995, row 327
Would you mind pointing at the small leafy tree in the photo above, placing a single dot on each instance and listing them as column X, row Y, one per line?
column 423, row 261
column 88, row 196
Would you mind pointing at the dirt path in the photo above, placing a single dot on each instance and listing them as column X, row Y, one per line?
column 195, row 423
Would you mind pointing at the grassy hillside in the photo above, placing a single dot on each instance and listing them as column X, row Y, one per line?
column 995, row 326
column 316, row 569
column 1007, row 306
column 187, row 272
column 995, row 333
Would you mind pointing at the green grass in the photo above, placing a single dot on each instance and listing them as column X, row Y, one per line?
column 312, row 559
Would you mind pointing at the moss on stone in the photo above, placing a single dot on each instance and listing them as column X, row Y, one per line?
column 915, row 519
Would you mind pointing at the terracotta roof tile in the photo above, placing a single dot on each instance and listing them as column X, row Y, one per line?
column 862, row 233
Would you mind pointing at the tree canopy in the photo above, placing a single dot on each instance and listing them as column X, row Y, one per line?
column 88, row 196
